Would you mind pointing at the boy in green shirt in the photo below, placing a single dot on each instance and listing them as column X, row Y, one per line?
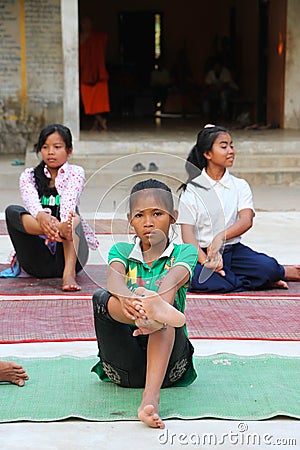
column 139, row 320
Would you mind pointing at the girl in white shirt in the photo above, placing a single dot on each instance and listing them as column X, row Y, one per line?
column 215, row 210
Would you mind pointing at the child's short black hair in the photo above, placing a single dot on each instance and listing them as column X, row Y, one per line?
column 163, row 191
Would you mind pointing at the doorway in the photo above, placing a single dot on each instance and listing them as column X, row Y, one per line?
column 262, row 73
column 140, row 43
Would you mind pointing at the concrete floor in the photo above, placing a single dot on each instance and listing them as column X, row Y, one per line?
column 78, row 434
column 276, row 231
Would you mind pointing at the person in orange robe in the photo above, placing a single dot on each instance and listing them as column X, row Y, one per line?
column 93, row 74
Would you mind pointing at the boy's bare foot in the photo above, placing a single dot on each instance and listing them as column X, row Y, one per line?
column 292, row 273
column 148, row 413
column 279, row 285
column 69, row 284
column 13, row 373
column 157, row 309
column 147, row 326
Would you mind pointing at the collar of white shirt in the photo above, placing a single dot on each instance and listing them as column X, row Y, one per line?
column 137, row 254
column 224, row 181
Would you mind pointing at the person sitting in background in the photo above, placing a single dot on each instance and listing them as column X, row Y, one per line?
column 182, row 79
column 160, row 82
column 50, row 237
column 215, row 210
column 219, row 89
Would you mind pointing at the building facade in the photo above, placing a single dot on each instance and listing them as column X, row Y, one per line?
column 39, row 79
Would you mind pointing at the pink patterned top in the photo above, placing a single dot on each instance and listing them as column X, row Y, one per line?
column 69, row 184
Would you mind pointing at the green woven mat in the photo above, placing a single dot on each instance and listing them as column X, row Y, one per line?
column 228, row 386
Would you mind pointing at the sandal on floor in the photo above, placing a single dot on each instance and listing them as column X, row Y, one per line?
column 17, row 162
column 138, row 167
column 152, row 167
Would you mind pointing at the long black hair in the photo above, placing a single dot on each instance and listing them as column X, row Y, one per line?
column 41, row 181
column 196, row 160
column 163, row 191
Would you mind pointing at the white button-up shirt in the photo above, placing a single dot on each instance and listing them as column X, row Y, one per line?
column 213, row 206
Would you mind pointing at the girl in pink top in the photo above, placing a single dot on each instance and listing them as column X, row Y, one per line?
column 50, row 237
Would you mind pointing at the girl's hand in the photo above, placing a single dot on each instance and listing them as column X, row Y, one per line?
column 215, row 263
column 216, row 246
column 48, row 225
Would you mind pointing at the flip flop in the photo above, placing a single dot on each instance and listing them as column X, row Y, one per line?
column 152, row 167
column 17, row 162
column 138, row 167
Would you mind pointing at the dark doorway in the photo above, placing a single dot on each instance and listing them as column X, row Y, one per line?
column 262, row 61
column 137, row 42
column 139, row 46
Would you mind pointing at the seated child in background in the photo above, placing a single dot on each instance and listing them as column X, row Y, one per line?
column 49, row 236
column 215, row 210
column 139, row 320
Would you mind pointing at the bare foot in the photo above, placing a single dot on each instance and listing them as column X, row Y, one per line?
column 292, row 273
column 147, row 326
column 158, row 309
column 13, row 373
column 279, row 285
column 95, row 126
column 69, row 284
column 66, row 228
column 102, row 122
column 148, row 413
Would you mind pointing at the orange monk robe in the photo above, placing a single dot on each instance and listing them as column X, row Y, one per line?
column 93, row 74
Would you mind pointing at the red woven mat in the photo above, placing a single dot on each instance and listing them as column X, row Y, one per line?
column 93, row 276
column 64, row 318
column 244, row 316
column 46, row 319
column 89, row 279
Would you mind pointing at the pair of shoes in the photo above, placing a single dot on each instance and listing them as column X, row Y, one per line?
column 138, row 167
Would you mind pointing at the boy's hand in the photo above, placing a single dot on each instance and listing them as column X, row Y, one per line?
column 132, row 308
